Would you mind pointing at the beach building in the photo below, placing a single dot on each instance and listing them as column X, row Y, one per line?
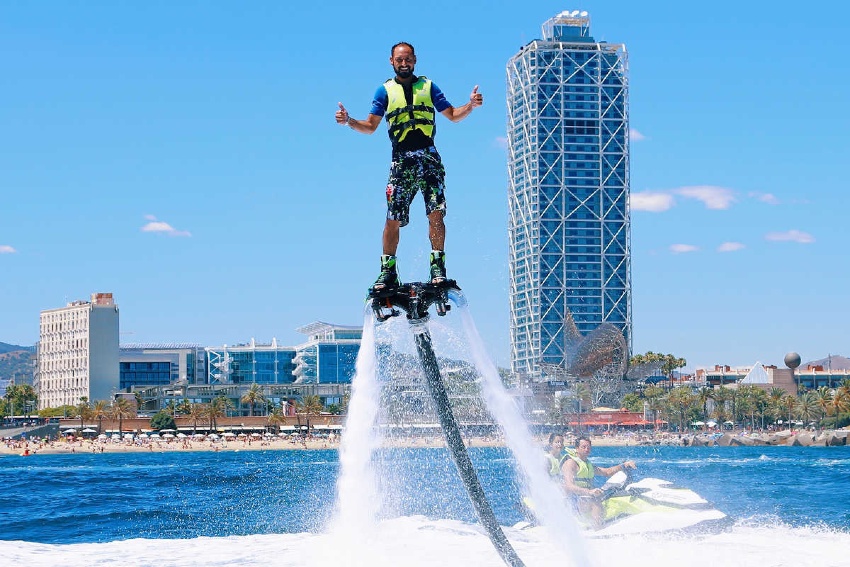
column 161, row 365
column 250, row 363
column 77, row 353
column 568, row 169
column 323, row 366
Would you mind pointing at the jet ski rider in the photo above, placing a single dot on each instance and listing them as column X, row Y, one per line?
column 578, row 474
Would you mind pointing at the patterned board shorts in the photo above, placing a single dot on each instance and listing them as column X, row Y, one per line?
column 419, row 170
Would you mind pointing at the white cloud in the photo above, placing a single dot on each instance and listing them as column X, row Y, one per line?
column 790, row 236
column 652, row 201
column 683, row 248
column 712, row 197
column 635, row 136
column 163, row 227
column 730, row 247
column 768, row 198
column 6, row 249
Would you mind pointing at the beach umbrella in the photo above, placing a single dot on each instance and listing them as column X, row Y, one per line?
column 116, row 436
column 102, row 436
column 181, row 436
column 698, row 423
column 155, row 436
column 256, row 435
column 69, row 431
column 228, row 434
column 212, row 436
column 198, row 435
column 89, row 430
column 168, row 436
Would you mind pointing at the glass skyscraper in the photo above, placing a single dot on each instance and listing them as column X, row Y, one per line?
column 568, row 168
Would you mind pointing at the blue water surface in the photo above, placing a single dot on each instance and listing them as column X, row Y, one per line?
column 112, row 496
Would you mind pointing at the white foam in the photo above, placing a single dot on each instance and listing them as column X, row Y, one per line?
column 418, row 542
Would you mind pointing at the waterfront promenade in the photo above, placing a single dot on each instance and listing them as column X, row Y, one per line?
column 332, row 441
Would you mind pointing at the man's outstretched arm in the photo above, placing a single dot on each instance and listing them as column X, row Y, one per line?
column 456, row 114
column 363, row 126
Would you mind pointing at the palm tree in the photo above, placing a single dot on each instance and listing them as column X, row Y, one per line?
column 196, row 413
column 84, row 411
column 217, row 408
column 841, row 400
column 824, row 399
column 681, row 401
column 98, row 412
column 121, row 408
column 703, row 395
column 808, row 408
column 310, row 405
column 721, row 395
column 253, row 396
column 789, row 403
column 655, row 403
column 277, row 418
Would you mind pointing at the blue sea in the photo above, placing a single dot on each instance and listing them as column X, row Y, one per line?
column 786, row 506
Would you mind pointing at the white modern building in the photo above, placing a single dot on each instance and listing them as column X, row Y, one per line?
column 78, row 352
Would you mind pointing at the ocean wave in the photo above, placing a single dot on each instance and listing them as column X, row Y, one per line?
column 416, row 541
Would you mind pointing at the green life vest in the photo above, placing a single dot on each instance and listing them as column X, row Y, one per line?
column 585, row 474
column 403, row 118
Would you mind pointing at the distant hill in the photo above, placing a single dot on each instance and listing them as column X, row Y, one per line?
column 834, row 362
column 6, row 347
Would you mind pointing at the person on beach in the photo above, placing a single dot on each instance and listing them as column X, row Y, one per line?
column 578, row 474
column 410, row 103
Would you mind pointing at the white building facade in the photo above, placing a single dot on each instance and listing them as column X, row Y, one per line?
column 78, row 353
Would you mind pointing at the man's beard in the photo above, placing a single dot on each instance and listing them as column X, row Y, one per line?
column 404, row 74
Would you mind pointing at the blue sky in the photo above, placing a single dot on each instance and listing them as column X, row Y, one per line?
column 184, row 156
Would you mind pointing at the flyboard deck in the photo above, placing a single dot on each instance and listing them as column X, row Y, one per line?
column 415, row 299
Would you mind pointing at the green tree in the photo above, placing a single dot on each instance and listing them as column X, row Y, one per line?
column 277, row 417
column 808, row 409
column 682, row 404
column 121, row 409
column 655, row 402
column 163, row 420
column 253, row 396
column 310, row 405
column 632, row 402
column 83, row 412
column 196, row 413
column 99, row 411
column 217, row 408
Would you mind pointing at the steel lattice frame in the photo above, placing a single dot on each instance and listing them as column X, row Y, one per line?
column 568, row 169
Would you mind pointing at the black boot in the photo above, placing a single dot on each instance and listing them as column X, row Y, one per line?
column 438, row 266
column 388, row 277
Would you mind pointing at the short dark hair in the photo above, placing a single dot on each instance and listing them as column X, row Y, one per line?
column 583, row 438
column 399, row 44
column 553, row 435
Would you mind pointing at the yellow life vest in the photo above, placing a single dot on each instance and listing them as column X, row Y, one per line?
column 403, row 118
column 585, row 473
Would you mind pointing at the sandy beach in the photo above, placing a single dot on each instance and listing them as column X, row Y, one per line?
column 332, row 441
column 138, row 445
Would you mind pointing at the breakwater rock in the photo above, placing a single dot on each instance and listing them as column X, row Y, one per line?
column 827, row 438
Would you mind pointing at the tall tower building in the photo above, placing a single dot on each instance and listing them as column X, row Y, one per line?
column 568, row 171
column 78, row 352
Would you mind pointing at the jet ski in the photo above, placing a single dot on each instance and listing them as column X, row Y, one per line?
column 645, row 506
